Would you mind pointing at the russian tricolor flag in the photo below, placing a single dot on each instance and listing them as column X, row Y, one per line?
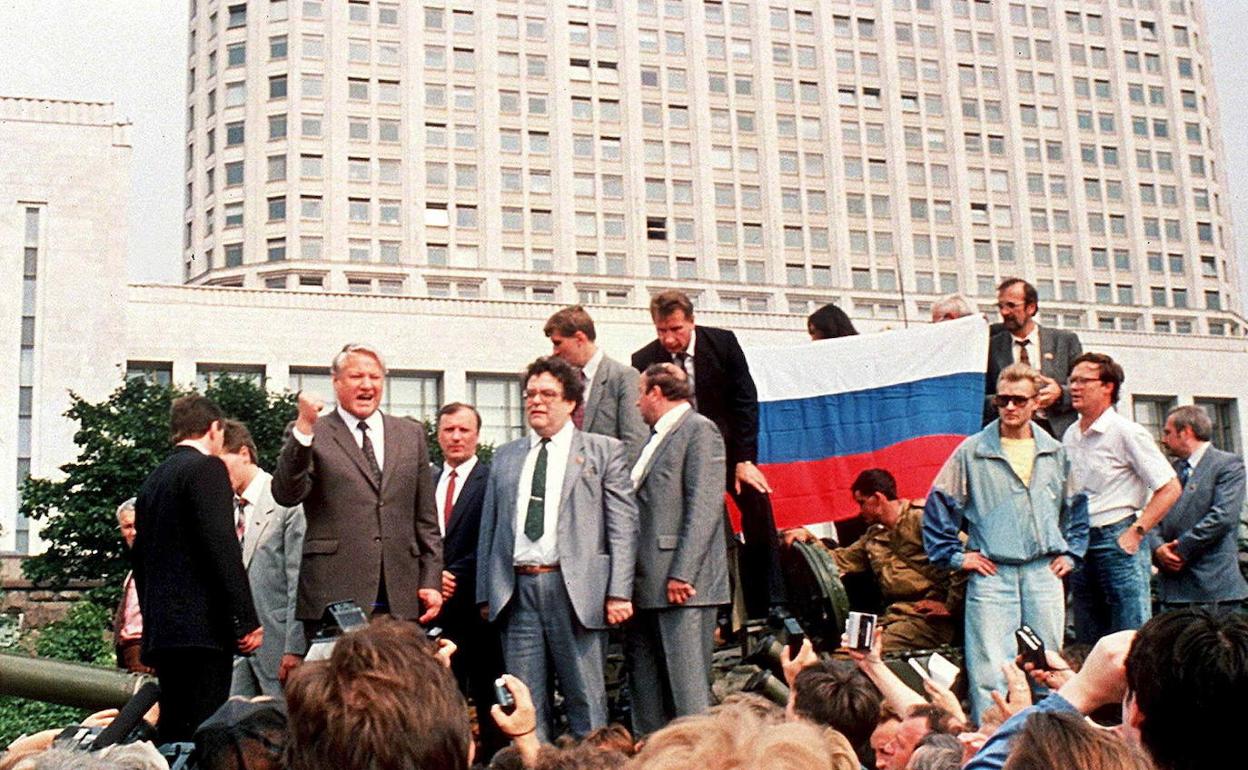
column 900, row 400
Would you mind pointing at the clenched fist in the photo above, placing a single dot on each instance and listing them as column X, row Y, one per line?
column 310, row 406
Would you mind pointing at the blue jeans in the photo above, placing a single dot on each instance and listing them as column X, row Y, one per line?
column 996, row 605
column 1110, row 593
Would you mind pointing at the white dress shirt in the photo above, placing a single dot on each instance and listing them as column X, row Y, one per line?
column 590, row 370
column 1197, row 455
column 376, row 433
column 1033, row 347
column 461, row 475
column 1117, row 464
column 662, row 427
column 250, row 494
column 545, row 550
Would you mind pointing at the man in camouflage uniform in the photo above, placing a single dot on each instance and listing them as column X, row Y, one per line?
column 922, row 599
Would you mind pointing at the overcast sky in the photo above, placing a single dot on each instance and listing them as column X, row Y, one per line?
column 132, row 53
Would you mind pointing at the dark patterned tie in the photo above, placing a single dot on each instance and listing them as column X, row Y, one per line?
column 240, row 518
column 449, row 502
column 578, row 416
column 369, row 455
column 1023, row 358
column 1185, row 471
column 534, row 520
column 682, row 359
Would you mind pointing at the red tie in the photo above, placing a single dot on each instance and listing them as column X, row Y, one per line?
column 240, row 521
column 578, row 415
column 450, row 501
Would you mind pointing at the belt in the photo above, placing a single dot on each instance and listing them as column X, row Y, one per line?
column 536, row 569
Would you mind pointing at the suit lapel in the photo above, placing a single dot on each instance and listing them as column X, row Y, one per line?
column 1003, row 352
column 342, row 434
column 393, row 449
column 261, row 517
column 1048, row 355
column 595, row 393
column 576, row 465
column 662, row 447
column 471, row 486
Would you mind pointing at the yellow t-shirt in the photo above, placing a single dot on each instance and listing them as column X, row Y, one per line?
column 1021, row 452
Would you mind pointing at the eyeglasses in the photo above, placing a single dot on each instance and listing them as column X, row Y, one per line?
column 542, row 395
column 1010, row 305
column 1001, row 401
column 1081, row 381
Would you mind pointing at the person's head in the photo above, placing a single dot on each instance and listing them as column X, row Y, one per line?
column 937, row 751
column 1187, row 427
column 951, row 308
column 1057, row 739
column 579, row 756
column 661, row 387
column 881, row 739
column 828, row 323
column 873, row 490
column 672, row 313
column 380, row 702
column 1187, row 673
column 738, row 738
column 125, row 521
column 919, row 722
column 459, row 431
column 571, row 333
column 1095, row 383
column 837, row 694
column 552, row 390
column 1017, row 300
column 613, row 737
column 243, row 734
column 195, row 417
column 359, row 375
column 238, row 452
column 1017, row 387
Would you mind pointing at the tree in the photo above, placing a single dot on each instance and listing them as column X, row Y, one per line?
column 121, row 440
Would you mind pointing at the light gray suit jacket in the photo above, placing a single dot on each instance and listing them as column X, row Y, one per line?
column 597, row 530
column 611, row 409
column 1205, row 522
column 681, row 501
column 272, row 551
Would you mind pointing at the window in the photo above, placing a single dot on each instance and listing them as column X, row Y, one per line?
column 1225, row 416
column 498, row 400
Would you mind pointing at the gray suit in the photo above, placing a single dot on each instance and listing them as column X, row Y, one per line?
column 1058, row 351
column 611, row 409
column 681, row 501
column 272, row 551
column 1205, row 522
column 560, row 615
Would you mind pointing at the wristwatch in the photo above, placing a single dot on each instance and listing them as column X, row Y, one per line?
column 1139, row 530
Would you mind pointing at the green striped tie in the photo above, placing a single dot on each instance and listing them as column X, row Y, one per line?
column 535, row 519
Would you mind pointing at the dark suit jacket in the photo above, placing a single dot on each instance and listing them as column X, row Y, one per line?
column 724, row 389
column 459, row 545
column 1058, row 350
column 1205, row 522
column 355, row 530
column 188, row 566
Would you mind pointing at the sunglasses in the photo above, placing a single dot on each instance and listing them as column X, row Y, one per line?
column 1002, row 401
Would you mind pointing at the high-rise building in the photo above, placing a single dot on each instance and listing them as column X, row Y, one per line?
column 768, row 155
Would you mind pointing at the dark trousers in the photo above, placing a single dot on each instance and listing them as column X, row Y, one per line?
column 194, row 682
column 762, row 583
column 477, row 662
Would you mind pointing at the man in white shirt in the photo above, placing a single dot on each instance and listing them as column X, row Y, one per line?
column 1129, row 486
column 557, row 549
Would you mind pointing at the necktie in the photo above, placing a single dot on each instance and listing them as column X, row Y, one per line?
column 534, row 519
column 1185, row 471
column 578, row 416
column 369, row 455
column 449, row 502
column 240, row 518
column 682, row 360
column 1023, row 358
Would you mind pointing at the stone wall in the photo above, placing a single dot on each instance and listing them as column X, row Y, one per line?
column 36, row 606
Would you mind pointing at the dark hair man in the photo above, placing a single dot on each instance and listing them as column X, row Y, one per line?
column 362, row 477
column 460, row 492
column 682, row 564
column 1117, row 464
column 1195, row 545
column 836, row 694
column 609, row 404
column 197, row 608
column 271, row 536
column 558, row 548
column 1051, row 352
column 724, row 391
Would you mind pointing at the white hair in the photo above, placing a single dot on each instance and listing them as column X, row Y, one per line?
column 126, row 506
column 355, row 348
column 955, row 302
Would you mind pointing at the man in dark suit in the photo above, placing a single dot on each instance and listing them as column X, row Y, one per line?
column 1052, row 352
column 197, row 608
column 1195, row 546
column 363, row 479
column 557, row 550
column 610, row 405
column 724, row 391
column 460, row 492
column 682, row 564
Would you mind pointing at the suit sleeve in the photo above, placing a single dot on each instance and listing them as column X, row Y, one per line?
column 701, row 526
column 622, row 524
column 632, row 429
column 428, row 537
column 485, row 541
column 1223, row 514
column 743, row 402
column 295, row 472
column 212, row 520
column 294, row 528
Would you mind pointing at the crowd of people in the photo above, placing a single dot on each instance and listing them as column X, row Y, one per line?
column 497, row 583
